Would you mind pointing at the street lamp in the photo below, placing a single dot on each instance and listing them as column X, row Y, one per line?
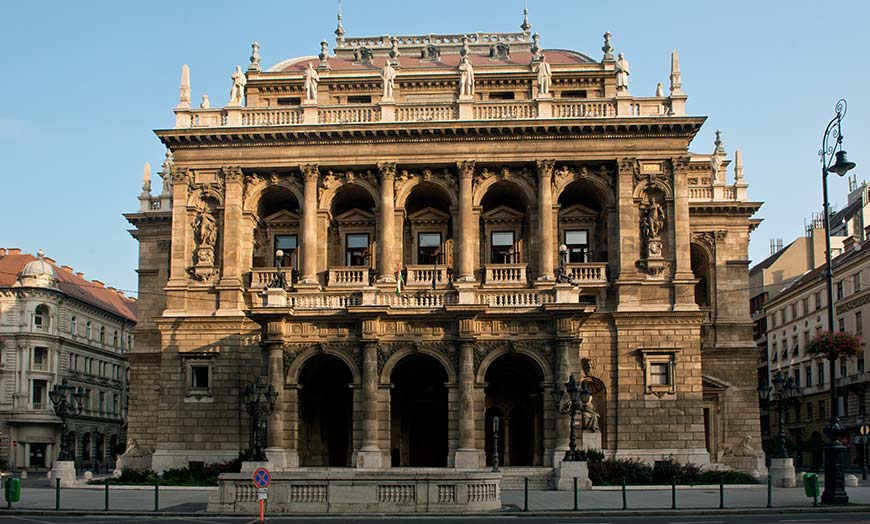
column 836, row 453
column 259, row 400
column 578, row 396
column 67, row 402
column 784, row 393
column 279, row 277
column 562, row 276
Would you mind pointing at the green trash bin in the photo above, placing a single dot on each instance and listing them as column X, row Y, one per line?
column 811, row 485
column 12, row 491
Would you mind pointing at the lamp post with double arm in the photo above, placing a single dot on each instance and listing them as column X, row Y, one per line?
column 259, row 400
column 578, row 396
column 67, row 402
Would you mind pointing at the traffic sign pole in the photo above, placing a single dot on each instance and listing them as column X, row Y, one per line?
column 864, row 430
column 262, row 478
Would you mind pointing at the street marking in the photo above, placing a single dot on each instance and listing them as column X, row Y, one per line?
column 696, row 522
column 805, row 520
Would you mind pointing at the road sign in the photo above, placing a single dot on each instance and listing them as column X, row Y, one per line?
column 14, row 443
column 262, row 478
column 864, row 430
column 262, row 494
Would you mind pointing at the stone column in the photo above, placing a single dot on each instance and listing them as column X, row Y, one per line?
column 467, row 454
column 230, row 285
column 310, row 173
column 180, row 226
column 563, row 426
column 369, row 455
column 467, row 241
column 386, row 260
column 684, row 296
column 545, row 219
column 276, row 379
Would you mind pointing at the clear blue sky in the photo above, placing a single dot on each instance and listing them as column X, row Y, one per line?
column 86, row 82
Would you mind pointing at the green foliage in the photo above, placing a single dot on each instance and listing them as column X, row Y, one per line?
column 664, row 472
column 611, row 472
column 726, row 476
column 840, row 344
column 592, row 455
column 638, row 473
column 195, row 475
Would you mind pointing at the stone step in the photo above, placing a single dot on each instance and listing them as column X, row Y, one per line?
column 539, row 478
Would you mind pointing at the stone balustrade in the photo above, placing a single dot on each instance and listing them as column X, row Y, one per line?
column 323, row 300
column 504, row 110
column 271, row 117
column 348, row 276
column 598, row 109
column 347, row 114
column 422, row 275
column 423, row 300
column 263, row 277
column 588, row 273
column 514, row 298
column 505, row 274
column 426, row 112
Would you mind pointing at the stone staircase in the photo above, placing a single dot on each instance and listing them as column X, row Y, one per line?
column 539, row 477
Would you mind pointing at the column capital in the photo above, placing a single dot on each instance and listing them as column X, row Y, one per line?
column 232, row 174
column 387, row 169
column 680, row 164
column 545, row 167
column 466, row 168
column 310, row 171
column 180, row 175
column 629, row 166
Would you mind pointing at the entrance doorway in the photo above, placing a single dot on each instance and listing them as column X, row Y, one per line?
column 37, row 455
column 514, row 394
column 418, row 407
column 325, row 412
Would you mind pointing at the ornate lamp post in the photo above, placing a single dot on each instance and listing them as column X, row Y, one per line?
column 259, row 400
column 495, row 424
column 781, row 396
column 835, row 453
column 67, row 402
column 578, row 396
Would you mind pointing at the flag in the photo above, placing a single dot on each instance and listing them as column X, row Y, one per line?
column 399, row 280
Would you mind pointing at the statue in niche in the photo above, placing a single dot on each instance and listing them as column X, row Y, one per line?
column 621, row 74
column 388, row 74
column 544, row 77
column 206, row 229
column 589, row 417
column 653, row 222
column 466, row 78
column 238, row 90
column 310, row 83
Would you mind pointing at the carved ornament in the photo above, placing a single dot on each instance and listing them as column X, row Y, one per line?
column 709, row 238
column 506, row 173
column 404, row 177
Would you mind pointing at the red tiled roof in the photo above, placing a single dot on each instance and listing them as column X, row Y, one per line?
column 447, row 61
column 72, row 285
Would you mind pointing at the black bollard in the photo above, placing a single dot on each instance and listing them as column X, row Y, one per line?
column 156, row 495
column 576, row 507
column 769, row 492
column 721, row 493
column 526, row 494
column 57, row 494
column 624, row 500
column 106, row 504
column 674, row 492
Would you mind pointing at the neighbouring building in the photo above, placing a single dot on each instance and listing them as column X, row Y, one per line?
column 379, row 233
column 785, row 266
column 56, row 326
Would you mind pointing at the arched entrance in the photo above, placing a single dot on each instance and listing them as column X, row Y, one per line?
column 325, row 412
column 418, row 408
column 514, row 390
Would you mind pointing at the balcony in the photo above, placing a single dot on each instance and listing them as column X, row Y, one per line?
column 349, row 276
column 588, row 274
column 263, row 277
column 505, row 275
column 423, row 276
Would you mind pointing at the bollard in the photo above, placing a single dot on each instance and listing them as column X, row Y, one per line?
column 721, row 493
column 575, row 494
column 674, row 492
column 156, row 495
column 624, row 500
column 106, row 502
column 57, row 494
column 769, row 492
column 526, row 494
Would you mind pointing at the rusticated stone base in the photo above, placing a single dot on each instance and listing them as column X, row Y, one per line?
column 349, row 490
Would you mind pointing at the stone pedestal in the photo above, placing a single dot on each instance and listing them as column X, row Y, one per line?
column 566, row 473
column 782, row 472
column 467, row 459
column 234, row 116
column 567, row 294
column 274, row 297
column 282, row 459
column 466, row 108
column 545, row 106
column 248, row 466
column 369, row 459
column 465, row 291
column 65, row 470
column 309, row 112
column 369, row 296
column 388, row 110
column 590, row 440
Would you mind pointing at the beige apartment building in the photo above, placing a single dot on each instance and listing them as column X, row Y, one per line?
column 464, row 221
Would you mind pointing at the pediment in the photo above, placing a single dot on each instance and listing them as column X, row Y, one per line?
column 503, row 213
column 429, row 214
column 356, row 216
column 578, row 211
column 282, row 217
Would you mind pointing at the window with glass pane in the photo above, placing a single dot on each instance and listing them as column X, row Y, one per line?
column 40, row 358
column 821, row 370
column 38, row 394
column 577, row 243
column 808, row 372
column 659, row 374
column 502, row 247
column 357, row 248
column 199, row 377
column 428, row 248
column 287, row 244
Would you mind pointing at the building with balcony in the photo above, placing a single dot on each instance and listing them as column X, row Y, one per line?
column 56, row 326
column 409, row 236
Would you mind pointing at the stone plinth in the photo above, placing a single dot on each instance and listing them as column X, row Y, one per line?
column 248, row 466
column 568, row 471
column 274, row 297
column 65, row 470
column 782, row 472
column 423, row 490
column 590, row 440
column 567, row 294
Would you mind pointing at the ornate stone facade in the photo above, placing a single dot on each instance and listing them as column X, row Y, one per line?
column 421, row 234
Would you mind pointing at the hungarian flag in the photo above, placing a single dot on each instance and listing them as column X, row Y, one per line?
column 399, row 280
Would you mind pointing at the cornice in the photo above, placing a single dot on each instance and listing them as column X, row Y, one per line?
column 414, row 132
column 718, row 208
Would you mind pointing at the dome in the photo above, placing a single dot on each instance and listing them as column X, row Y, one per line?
column 38, row 272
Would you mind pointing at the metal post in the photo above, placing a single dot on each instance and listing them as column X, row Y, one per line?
column 57, row 494
column 721, row 492
column 769, row 491
column 624, row 500
column 526, row 494
column 674, row 492
column 575, row 494
column 495, row 422
column 864, row 461
column 106, row 505
column 156, row 496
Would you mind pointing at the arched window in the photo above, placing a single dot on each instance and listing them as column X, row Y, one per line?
column 88, row 330
column 115, row 339
column 102, row 334
column 40, row 317
column 73, row 326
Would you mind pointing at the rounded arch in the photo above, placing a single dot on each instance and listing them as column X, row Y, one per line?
column 293, row 372
column 411, row 186
column 256, row 190
column 657, row 185
column 325, row 412
column 275, row 198
column 524, row 188
column 597, row 186
column 543, row 365
column 390, row 364
column 329, row 193
column 198, row 195
column 701, row 257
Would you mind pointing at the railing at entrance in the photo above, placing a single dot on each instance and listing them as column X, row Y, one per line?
column 348, row 276
column 588, row 273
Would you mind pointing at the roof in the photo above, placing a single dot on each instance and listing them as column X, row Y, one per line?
column 767, row 262
column 72, row 285
column 446, row 61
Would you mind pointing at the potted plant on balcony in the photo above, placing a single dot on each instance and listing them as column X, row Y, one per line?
column 835, row 345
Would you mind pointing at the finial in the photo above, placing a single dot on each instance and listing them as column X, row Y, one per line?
column 738, row 165
column 184, row 88
column 394, row 50
column 526, row 26
column 607, row 48
column 464, row 50
column 536, row 47
column 660, row 89
column 146, row 179
column 255, row 57
column 676, row 81
column 324, row 55
column 339, row 31
column 40, row 254
column 718, row 142
column 205, row 104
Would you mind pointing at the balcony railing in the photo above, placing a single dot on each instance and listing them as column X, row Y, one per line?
column 263, row 277
column 505, row 274
column 422, row 299
column 323, row 300
column 422, row 275
column 349, row 276
column 514, row 299
column 588, row 273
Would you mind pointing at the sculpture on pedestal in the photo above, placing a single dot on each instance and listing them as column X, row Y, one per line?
column 388, row 74
column 205, row 104
column 622, row 74
column 589, row 417
column 544, row 77
column 310, row 84
column 653, row 222
column 255, row 57
column 466, row 78
column 238, row 90
column 205, row 234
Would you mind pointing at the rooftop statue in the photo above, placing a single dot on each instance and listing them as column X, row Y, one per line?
column 466, row 79
column 238, row 90
column 311, row 79
column 544, row 77
column 388, row 74
column 622, row 74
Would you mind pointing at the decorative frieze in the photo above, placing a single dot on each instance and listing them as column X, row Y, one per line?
column 524, row 175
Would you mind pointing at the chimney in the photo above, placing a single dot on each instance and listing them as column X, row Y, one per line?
column 98, row 283
column 80, row 274
column 778, row 245
column 2, row 251
column 71, row 270
column 772, row 246
column 849, row 243
column 13, row 251
column 50, row 260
